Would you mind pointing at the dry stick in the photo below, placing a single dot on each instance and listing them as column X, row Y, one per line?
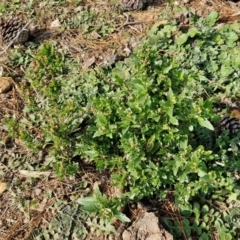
column 19, row 32
column 236, row 14
column 129, row 23
column 127, row 17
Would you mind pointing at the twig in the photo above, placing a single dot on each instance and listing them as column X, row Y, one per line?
column 131, row 23
column 228, row 102
column 126, row 23
column 26, row 173
column 236, row 14
column 19, row 32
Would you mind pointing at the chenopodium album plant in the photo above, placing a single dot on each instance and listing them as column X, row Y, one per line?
column 148, row 116
column 154, row 116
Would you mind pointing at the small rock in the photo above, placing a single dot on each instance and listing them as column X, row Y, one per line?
column 146, row 227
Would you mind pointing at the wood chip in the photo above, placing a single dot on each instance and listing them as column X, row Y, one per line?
column 5, row 84
column 3, row 187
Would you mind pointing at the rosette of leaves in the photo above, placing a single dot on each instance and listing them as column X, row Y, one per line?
column 69, row 223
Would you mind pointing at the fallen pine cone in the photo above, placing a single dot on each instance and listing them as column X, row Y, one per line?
column 13, row 31
column 230, row 122
column 132, row 5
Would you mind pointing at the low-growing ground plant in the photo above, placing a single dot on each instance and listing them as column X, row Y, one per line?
column 150, row 120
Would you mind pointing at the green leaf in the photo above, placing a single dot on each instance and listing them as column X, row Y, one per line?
column 190, row 128
column 173, row 120
column 237, row 61
column 192, row 32
column 186, row 210
column 177, row 231
column 206, row 218
column 202, row 169
column 154, row 29
column 170, row 95
column 235, row 26
column 225, row 236
column 232, row 36
column 169, row 111
column 212, row 19
column 187, row 228
column 168, row 223
column 204, row 236
column 183, row 144
column 150, row 143
column 205, row 123
column 226, row 70
column 97, row 193
column 91, row 153
column 232, row 197
column 186, row 222
column 90, row 204
column 176, row 167
column 97, row 134
column 198, row 230
column 196, row 206
column 122, row 217
column 119, row 80
column 182, row 39
column 205, row 209
column 218, row 39
column 101, row 120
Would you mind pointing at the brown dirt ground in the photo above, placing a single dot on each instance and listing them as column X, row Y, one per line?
column 18, row 224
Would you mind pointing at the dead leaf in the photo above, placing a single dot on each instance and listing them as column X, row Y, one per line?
column 42, row 205
column 78, row 9
column 42, row 4
column 95, row 35
column 1, row 69
column 89, row 62
column 109, row 60
column 3, row 187
column 55, row 24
